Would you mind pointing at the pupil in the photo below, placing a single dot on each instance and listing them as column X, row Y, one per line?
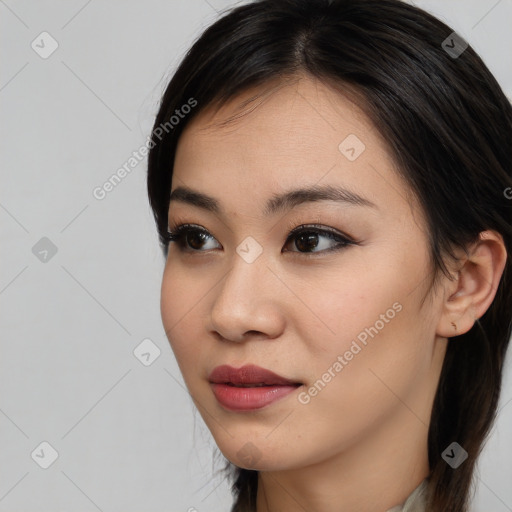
column 196, row 236
column 311, row 241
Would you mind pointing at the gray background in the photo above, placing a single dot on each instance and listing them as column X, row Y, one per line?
column 126, row 434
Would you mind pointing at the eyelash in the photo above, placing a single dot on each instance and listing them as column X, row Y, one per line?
column 177, row 233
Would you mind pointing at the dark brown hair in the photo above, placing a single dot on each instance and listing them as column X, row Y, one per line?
column 448, row 126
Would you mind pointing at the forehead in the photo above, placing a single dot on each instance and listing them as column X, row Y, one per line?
column 309, row 109
column 284, row 135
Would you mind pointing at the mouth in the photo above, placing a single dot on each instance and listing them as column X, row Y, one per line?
column 255, row 385
column 248, row 376
column 249, row 387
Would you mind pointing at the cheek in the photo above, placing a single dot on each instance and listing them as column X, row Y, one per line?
column 343, row 306
column 179, row 303
column 181, row 293
column 169, row 305
column 367, row 326
column 349, row 396
column 380, row 352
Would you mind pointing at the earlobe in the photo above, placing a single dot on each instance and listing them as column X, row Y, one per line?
column 469, row 296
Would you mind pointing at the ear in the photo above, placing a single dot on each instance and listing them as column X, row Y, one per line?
column 469, row 296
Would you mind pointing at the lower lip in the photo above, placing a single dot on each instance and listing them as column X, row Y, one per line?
column 247, row 399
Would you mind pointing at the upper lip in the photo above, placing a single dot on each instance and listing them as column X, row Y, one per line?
column 248, row 374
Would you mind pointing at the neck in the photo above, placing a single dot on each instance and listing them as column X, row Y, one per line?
column 377, row 476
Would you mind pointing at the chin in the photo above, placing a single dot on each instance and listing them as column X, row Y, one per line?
column 255, row 455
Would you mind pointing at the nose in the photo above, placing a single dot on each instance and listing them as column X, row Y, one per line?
column 248, row 302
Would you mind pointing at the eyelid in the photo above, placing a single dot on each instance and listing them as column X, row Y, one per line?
column 292, row 228
column 178, row 230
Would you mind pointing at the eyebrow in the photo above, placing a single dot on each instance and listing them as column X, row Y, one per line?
column 278, row 202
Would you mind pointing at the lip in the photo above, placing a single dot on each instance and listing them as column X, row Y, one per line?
column 249, row 387
column 248, row 374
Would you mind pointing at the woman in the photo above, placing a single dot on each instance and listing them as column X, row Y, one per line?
column 330, row 185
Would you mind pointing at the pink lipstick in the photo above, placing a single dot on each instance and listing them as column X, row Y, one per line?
column 249, row 387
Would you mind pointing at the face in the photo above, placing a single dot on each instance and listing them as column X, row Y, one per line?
column 334, row 308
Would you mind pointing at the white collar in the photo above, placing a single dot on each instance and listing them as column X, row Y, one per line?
column 415, row 502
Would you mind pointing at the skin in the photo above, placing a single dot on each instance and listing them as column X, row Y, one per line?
column 361, row 442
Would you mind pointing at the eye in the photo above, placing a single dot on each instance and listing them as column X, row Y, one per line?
column 308, row 240
column 189, row 237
